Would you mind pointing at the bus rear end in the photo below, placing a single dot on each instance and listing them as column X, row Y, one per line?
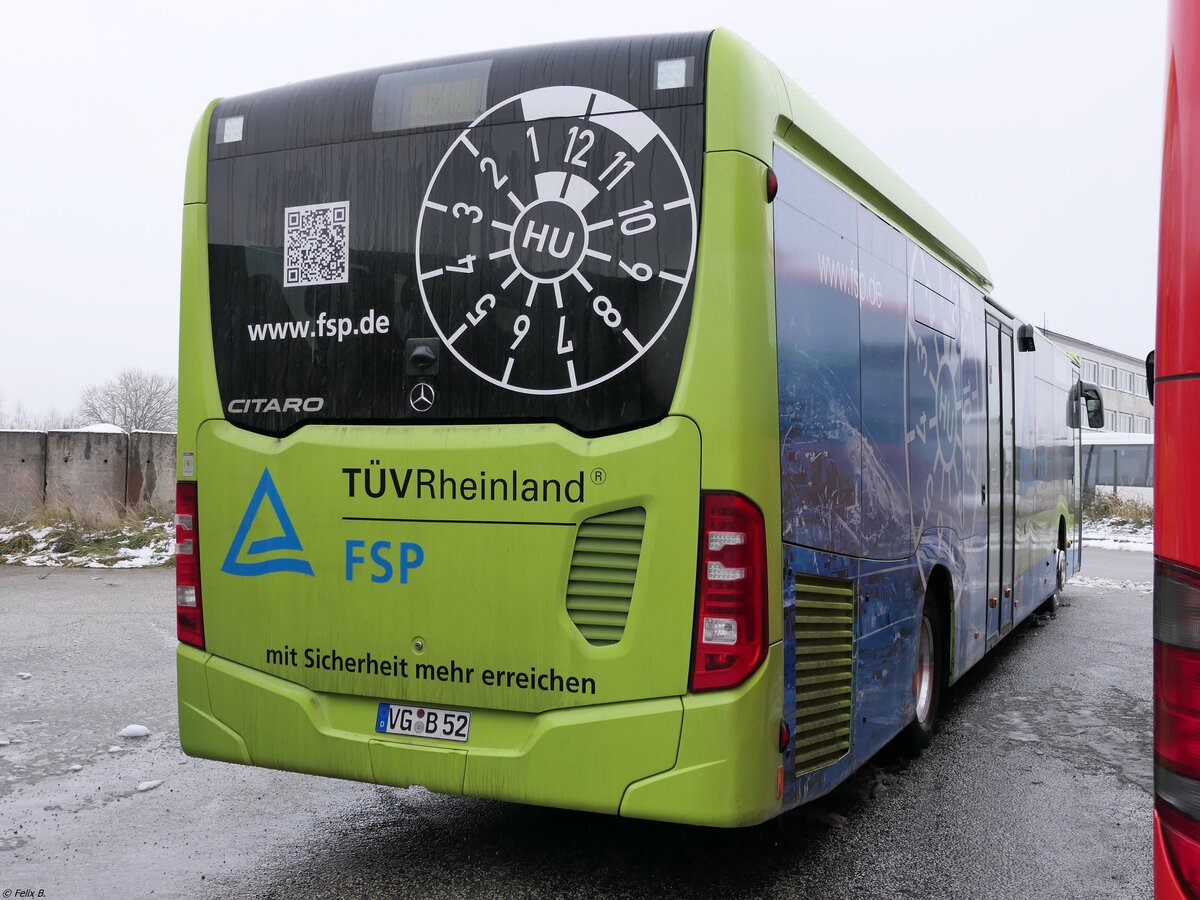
column 467, row 499
column 1176, row 542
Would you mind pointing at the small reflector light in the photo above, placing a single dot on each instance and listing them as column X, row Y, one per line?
column 720, row 631
column 772, row 184
column 184, row 522
column 183, row 548
column 718, row 540
column 185, row 595
column 719, row 572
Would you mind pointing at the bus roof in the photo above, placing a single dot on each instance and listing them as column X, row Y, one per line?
column 742, row 117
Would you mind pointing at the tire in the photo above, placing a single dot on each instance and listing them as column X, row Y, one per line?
column 1060, row 582
column 929, row 677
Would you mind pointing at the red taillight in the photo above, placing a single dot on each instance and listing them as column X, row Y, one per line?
column 189, row 618
column 731, row 593
column 1177, row 716
column 1177, row 709
column 1182, row 837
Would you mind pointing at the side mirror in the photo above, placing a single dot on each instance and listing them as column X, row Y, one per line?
column 1094, row 402
column 1025, row 339
column 1150, row 376
column 1085, row 394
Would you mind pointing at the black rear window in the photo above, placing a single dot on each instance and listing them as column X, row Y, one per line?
column 483, row 239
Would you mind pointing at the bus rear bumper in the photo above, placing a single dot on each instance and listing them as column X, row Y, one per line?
column 576, row 758
column 645, row 759
column 729, row 772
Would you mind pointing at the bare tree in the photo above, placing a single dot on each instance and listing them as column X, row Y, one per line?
column 134, row 400
column 23, row 419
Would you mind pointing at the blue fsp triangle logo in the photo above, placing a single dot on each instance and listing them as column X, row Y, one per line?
column 288, row 540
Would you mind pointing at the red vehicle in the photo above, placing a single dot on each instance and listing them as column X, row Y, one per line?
column 1175, row 376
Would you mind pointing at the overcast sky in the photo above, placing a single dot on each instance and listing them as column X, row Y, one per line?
column 1040, row 140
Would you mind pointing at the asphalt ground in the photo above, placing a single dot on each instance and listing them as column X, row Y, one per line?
column 1039, row 783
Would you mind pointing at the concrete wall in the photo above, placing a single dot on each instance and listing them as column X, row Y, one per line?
column 22, row 471
column 97, row 475
column 85, row 472
column 150, row 472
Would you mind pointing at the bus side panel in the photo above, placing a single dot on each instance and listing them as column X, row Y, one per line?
column 807, row 780
column 972, row 339
column 1046, row 462
column 970, row 614
column 1024, row 401
column 820, row 371
column 970, row 607
column 888, row 596
column 870, row 461
column 934, row 436
column 842, row 314
column 198, row 395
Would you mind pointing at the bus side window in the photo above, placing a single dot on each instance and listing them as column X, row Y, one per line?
column 1132, row 466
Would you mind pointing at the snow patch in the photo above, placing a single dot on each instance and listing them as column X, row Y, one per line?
column 134, row 731
column 1144, row 587
column 98, row 428
column 24, row 676
column 148, row 785
column 75, row 768
column 1118, row 544
column 39, row 546
column 1117, row 534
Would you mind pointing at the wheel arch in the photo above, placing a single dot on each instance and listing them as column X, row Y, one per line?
column 940, row 586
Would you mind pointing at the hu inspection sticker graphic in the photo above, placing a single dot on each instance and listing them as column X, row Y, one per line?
column 552, row 255
column 280, row 550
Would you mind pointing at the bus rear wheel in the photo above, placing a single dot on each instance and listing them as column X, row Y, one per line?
column 928, row 678
column 1060, row 582
column 1049, row 608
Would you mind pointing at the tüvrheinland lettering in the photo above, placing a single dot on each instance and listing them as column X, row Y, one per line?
column 377, row 481
column 549, row 681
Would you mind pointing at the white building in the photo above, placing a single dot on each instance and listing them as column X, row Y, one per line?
column 1122, row 380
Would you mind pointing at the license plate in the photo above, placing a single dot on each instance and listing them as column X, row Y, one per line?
column 423, row 721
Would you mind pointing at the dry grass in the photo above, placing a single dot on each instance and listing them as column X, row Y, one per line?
column 1103, row 506
column 63, row 537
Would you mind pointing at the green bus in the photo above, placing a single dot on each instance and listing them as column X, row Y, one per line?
column 596, row 425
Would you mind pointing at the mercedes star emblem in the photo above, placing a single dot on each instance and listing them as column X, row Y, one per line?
column 421, row 396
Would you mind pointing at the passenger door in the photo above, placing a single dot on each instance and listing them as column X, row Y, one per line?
column 1000, row 479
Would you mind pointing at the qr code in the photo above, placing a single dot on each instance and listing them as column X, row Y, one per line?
column 316, row 244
